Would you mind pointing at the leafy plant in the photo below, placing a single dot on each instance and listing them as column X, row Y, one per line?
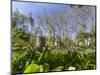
column 33, row 68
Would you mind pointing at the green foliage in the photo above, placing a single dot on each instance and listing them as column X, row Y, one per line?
column 50, row 41
column 48, row 61
column 27, row 58
column 33, row 68
column 20, row 42
column 18, row 19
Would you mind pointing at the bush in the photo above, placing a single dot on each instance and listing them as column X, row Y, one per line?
column 54, row 61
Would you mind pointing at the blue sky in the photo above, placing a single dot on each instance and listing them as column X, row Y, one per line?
column 36, row 8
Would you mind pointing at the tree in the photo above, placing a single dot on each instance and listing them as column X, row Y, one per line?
column 19, row 20
column 55, row 25
column 84, row 38
column 31, row 20
column 93, row 38
column 15, row 18
column 59, row 25
column 83, row 14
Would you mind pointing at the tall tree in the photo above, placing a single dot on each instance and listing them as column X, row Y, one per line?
column 31, row 26
column 83, row 14
column 19, row 20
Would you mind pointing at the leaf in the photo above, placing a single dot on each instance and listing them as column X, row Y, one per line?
column 45, row 67
column 33, row 68
column 71, row 68
column 40, row 57
column 58, row 68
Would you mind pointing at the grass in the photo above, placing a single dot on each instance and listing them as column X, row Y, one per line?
column 62, row 51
